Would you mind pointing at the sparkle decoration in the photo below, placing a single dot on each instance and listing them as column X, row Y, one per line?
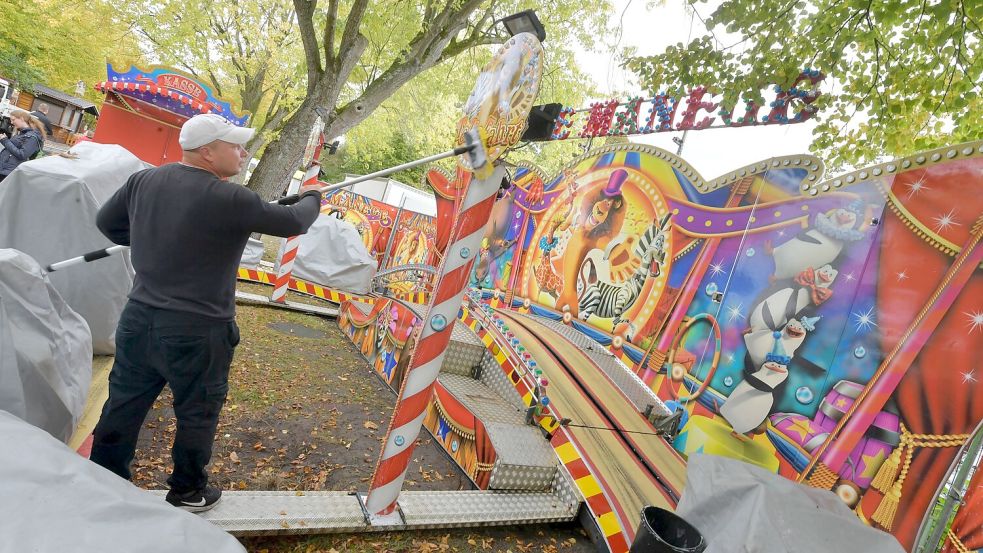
column 804, row 395
column 975, row 320
column 943, row 222
column 734, row 312
column 917, row 186
column 902, row 276
column 864, row 321
column 717, row 268
column 969, row 376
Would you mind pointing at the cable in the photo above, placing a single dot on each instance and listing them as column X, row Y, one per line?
column 613, row 429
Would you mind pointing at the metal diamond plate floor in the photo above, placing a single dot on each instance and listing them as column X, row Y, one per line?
column 256, row 299
column 481, row 400
column 260, row 513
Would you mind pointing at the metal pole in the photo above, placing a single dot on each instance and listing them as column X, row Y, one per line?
column 106, row 252
column 392, row 234
column 955, row 486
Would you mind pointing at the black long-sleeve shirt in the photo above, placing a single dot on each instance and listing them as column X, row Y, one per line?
column 187, row 230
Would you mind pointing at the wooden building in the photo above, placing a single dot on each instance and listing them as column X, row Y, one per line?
column 64, row 110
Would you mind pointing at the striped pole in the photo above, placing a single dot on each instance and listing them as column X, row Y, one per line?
column 417, row 386
column 290, row 246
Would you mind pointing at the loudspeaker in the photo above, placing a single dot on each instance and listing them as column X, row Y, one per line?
column 541, row 120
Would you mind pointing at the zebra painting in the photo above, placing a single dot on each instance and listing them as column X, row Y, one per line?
column 610, row 300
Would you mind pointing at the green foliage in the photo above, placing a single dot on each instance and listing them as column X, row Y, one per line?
column 57, row 43
column 419, row 119
column 902, row 76
column 248, row 52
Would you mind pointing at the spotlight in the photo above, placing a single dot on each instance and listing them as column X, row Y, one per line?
column 524, row 22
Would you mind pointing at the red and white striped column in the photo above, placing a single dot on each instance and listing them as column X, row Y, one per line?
column 288, row 250
column 417, row 386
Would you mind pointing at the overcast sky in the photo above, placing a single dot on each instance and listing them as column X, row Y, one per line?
column 711, row 152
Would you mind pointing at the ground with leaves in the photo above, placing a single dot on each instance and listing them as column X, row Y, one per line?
column 306, row 412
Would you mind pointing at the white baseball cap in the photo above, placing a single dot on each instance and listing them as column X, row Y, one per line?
column 208, row 127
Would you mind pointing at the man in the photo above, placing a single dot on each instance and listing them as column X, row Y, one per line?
column 42, row 114
column 187, row 227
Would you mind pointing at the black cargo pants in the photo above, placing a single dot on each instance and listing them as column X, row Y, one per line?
column 191, row 354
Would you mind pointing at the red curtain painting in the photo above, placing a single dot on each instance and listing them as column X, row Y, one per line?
column 940, row 397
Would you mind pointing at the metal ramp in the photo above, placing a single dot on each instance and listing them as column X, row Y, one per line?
column 248, row 513
column 256, row 299
column 640, row 394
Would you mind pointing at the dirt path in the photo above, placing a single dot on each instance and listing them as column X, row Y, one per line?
column 305, row 412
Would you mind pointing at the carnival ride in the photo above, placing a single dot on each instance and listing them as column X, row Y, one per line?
column 788, row 320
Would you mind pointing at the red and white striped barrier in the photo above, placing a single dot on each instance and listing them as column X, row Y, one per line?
column 289, row 250
column 417, row 387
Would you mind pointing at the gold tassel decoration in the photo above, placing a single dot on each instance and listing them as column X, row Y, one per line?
column 888, row 507
column 888, row 473
column 822, row 477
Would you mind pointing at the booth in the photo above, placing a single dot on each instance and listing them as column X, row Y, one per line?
column 145, row 108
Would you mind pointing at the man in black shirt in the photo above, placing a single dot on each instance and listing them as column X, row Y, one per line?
column 42, row 114
column 187, row 227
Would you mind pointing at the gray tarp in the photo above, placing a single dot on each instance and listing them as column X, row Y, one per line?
column 253, row 253
column 52, row 499
column 48, row 209
column 742, row 508
column 45, row 350
column 332, row 254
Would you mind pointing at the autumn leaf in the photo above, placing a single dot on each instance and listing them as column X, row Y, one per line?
column 370, row 425
column 233, row 457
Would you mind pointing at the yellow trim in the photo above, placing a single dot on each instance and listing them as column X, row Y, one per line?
column 588, row 485
column 609, row 524
column 567, row 453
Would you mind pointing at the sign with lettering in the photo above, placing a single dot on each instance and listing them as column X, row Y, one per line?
column 501, row 100
column 180, row 83
column 663, row 113
column 172, row 90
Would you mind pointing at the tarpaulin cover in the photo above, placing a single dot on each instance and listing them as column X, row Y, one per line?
column 48, row 210
column 45, row 350
column 332, row 254
column 742, row 508
column 253, row 253
column 52, row 499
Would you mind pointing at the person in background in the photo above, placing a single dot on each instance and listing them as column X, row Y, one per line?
column 27, row 141
column 186, row 226
column 42, row 114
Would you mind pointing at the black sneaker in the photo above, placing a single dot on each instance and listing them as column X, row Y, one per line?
column 195, row 501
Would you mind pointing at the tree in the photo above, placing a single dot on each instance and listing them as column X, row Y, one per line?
column 58, row 44
column 358, row 55
column 903, row 75
column 248, row 52
column 421, row 117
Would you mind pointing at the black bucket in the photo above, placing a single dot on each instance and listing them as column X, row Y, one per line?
column 661, row 531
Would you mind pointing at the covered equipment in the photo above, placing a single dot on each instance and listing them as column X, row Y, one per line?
column 45, row 350
column 48, row 210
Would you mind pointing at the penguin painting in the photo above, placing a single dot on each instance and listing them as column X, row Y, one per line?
column 822, row 243
column 810, row 288
column 760, row 342
column 751, row 402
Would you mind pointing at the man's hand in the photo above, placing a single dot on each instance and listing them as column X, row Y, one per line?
column 308, row 187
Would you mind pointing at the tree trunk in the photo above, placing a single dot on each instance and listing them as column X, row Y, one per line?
column 282, row 157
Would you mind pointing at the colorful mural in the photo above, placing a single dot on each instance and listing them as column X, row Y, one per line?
column 380, row 330
column 823, row 330
column 412, row 243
